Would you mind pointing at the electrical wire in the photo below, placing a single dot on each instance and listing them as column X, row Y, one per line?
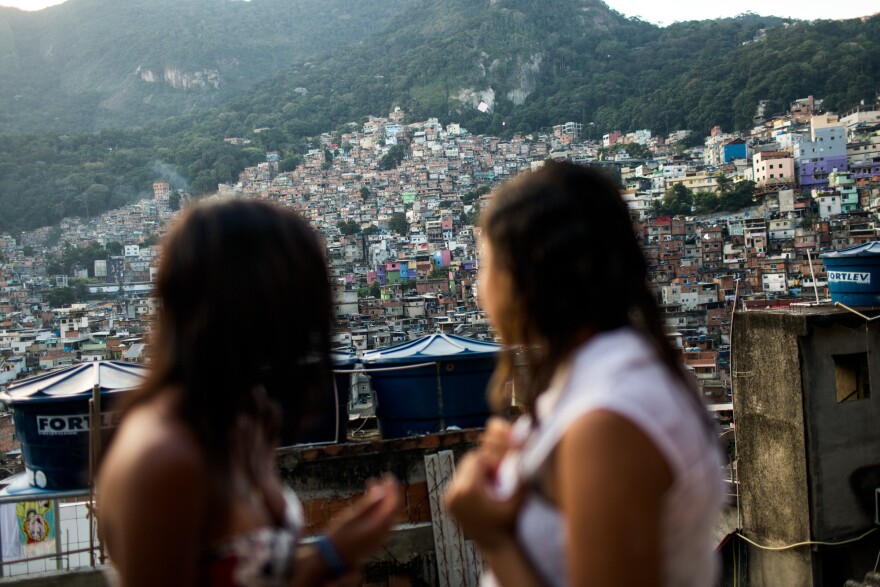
column 808, row 542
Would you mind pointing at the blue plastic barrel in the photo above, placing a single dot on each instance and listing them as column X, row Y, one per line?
column 430, row 384
column 332, row 422
column 51, row 415
column 854, row 275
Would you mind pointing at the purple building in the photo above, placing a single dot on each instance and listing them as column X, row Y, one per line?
column 381, row 275
column 469, row 265
column 824, row 153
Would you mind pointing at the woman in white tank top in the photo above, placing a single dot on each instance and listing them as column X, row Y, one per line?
column 613, row 477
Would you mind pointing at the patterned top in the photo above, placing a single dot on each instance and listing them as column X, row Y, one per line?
column 261, row 558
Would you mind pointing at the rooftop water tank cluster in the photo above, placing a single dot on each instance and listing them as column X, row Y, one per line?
column 854, row 275
column 430, row 384
column 51, row 415
column 423, row 386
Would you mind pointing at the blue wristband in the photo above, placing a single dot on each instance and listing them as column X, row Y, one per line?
column 331, row 556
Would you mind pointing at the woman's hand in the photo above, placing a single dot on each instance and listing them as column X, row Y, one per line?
column 485, row 517
column 496, row 441
column 357, row 533
column 362, row 529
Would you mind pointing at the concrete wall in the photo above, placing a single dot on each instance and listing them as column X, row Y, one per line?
column 808, row 463
column 843, row 438
column 772, row 460
column 329, row 478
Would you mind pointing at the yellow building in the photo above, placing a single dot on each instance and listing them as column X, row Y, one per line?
column 701, row 181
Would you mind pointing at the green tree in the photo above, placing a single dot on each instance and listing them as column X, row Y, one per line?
column 740, row 196
column 706, row 202
column 692, row 139
column 474, row 195
column 59, row 297
column 174, row 201
column 81, row 288
column 398, row 223
column 636, row 150
column 724, row 183
column 677, row 201
column 807, row 220
column 289, row 163
column 393, row 157
column 53, row 236
column 348, row 228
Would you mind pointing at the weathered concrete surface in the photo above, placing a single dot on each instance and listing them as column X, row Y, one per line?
column 329, row 478
column 843, row 439
column 772, row 462
column 808, row 463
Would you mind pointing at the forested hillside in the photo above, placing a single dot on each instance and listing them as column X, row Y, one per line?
column 90, row 64
column 534, row 65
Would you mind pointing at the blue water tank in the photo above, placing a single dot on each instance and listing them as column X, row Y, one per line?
column 51, row 415
column 854, row 275
column 332, row 422
column 431, row 383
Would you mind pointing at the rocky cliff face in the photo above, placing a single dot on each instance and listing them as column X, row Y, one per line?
column 182, row 80
column 528, row 76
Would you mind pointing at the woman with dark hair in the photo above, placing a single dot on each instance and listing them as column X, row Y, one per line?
column 613, row 477
column 188, row 492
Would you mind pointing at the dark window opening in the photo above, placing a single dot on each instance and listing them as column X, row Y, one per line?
column 851, row 376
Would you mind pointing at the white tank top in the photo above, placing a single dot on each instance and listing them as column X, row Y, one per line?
column 619, row 371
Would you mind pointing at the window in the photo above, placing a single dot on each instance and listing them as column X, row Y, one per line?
column 851, row 377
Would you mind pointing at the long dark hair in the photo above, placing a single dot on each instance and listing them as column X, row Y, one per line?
column 243, row 329
column 564, row 236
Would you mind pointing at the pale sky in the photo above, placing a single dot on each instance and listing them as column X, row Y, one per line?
column 670, row 11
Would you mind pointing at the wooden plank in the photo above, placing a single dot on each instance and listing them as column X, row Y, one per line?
column 458, row 561
column 433, row 476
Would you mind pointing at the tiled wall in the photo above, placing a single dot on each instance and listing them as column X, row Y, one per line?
column 74, row 535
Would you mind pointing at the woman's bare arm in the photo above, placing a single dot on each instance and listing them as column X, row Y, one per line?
column 153, row 512
column 610, row 483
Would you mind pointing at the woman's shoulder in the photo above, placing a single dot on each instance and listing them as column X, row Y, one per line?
column 622, row 365
column 623, row 374
column 153, row 498
column 150, row 454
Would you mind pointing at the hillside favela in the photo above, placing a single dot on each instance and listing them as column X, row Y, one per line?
column 745, row 148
